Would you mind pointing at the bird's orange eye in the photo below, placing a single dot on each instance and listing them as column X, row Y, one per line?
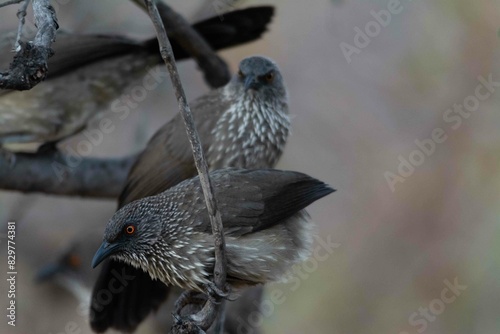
column 130, row 229
column 269, row 76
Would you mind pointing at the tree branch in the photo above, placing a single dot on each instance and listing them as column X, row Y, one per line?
column 21, row 14
column 215, row 69
column 208, row 314
column 29, row 66
column 9, row 2
column 58, row 174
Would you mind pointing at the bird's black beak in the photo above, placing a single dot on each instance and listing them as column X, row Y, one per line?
column 103, row 252
column 251, row 83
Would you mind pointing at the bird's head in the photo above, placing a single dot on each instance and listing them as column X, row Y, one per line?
column 260, row 77
column 131, row 233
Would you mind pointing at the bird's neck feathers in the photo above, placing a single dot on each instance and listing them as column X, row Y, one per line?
column 257, row 101
column 251, row 133
column 175, row 262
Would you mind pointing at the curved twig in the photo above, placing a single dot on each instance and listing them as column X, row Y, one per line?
column 208, row 314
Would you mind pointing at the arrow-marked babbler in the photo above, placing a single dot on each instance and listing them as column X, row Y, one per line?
column 244, row 124
column 71, row 270
column 88, row 72
column 266, row 230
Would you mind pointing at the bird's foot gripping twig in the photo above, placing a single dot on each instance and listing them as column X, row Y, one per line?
column 194, row 323
column 215, row 294
column 187, row 323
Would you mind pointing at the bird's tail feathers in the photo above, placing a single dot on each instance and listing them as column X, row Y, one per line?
column 226, row 30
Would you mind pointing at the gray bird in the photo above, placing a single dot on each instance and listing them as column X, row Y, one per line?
column 71, row 270
column 244, row 124
column 266, row 232
column 88, row 72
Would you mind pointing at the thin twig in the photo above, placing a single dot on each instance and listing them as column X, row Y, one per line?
column 209, row 312
column 29, row 66
column 58, row 174
column 21, row 14
column 214, row 68
column 221, row 318
column 9, row 2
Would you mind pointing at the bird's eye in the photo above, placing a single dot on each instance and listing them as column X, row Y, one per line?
column 269, row 77
column 130, row 229
column 240, row 74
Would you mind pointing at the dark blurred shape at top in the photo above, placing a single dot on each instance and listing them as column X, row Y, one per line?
column 88, row 72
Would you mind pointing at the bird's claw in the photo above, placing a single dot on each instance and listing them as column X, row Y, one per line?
column 215, row 294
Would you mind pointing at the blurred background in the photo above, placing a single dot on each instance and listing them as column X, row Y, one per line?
column 359, row 105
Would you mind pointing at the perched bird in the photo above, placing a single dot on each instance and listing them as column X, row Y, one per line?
column 88, row 72
column 71, row 270
column 244, row 124
column 266, row 232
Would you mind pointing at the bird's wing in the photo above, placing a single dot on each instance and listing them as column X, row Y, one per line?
column 253, row 200
column 168, row 158
column 164, row 162
column 75, row 50
column 123, row 296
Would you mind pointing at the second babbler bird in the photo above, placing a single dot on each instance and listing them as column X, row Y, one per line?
column 244, row 124
column 266, row 232
column 71, row 271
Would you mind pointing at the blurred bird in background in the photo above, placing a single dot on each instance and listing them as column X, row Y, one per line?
column 244, row 124
column 87, row 72
column 70, row 269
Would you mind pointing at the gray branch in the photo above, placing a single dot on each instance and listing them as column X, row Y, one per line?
column 59, row 174
column 9, row 2
column 29, row 66
column 21, row 14
column 215, row 69
column 208, row 314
